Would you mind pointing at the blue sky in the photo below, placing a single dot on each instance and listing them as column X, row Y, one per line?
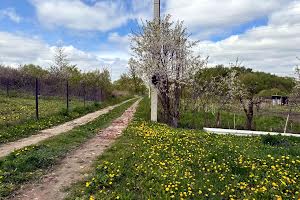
column 95, row 33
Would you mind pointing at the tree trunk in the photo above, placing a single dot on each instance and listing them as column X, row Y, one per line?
column 218, row 120
column 250, row 114
column 175, row 113
column 249, row 122
column 170, row 106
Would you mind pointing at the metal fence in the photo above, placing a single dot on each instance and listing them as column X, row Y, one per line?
column 50, row 86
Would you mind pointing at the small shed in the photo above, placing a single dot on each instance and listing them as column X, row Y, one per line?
column 279, row 100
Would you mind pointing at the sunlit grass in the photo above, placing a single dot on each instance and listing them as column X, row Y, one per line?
column 154, row 161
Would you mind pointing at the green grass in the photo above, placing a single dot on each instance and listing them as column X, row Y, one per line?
column 31, row 126
column 14, row 110
column 31, row 162
column 262, row 123
column 154, row 161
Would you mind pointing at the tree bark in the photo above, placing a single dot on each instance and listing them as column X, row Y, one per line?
column 175, row 114
column 250, row 114
column 218, row 120
column 171, row 107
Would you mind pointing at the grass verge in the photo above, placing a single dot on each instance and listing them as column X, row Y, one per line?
column 154, row 161
column 261, row 123
column 32, row 126
column 31, row 162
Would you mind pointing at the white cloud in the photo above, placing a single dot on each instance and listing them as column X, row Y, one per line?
column 272, row 48
column 11, row 14
column 115, row 37
column 142, row 10
column 215, row 17
column 102, row 16
column 31, row 50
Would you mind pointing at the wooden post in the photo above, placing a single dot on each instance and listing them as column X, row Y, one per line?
column 67, row 95
column 234, row 121
column 287, row 120
column 37, row 99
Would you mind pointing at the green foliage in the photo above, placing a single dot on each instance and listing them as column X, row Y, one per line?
column 31, row 162
column 132, row 85
column 255, row 82
column 98, row 79
column 34, row 71
column 270, row 92
column 259, row 81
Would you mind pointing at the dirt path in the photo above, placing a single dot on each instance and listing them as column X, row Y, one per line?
column 7, row 148
column 72, row 168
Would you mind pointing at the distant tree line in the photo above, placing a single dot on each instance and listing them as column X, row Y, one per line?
column 130, row 81
column 93, row 85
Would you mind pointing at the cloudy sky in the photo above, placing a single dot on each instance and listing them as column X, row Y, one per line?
column 265, row 35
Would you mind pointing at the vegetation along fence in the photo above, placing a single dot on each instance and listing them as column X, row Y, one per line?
column 50, row 87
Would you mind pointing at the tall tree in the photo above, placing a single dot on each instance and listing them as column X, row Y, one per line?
column 61, row 63
column 133, row 74
column 224, row 93
column 163, row 53
column 247, row 92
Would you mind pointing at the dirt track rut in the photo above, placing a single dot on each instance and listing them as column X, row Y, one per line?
column 72, row 168
column 7, row 148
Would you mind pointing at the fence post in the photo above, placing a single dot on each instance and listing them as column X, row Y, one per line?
column 67, row 96
column 37, row 98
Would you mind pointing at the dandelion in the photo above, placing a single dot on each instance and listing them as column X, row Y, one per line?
column 92, row 197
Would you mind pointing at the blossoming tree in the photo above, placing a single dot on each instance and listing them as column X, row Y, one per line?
column 163, row 53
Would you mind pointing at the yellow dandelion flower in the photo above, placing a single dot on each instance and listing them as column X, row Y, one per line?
column 92, row 197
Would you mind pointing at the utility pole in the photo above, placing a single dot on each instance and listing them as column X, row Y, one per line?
column 152, row 87
column 156, row 9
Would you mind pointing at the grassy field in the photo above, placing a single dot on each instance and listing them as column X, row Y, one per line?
column 154, row 161
column 261, row 122
column 31, row 126
column 30, row 163
column 14, row 110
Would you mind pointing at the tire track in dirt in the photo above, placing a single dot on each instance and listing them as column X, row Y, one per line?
column 72, row 168
column 7, row 148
